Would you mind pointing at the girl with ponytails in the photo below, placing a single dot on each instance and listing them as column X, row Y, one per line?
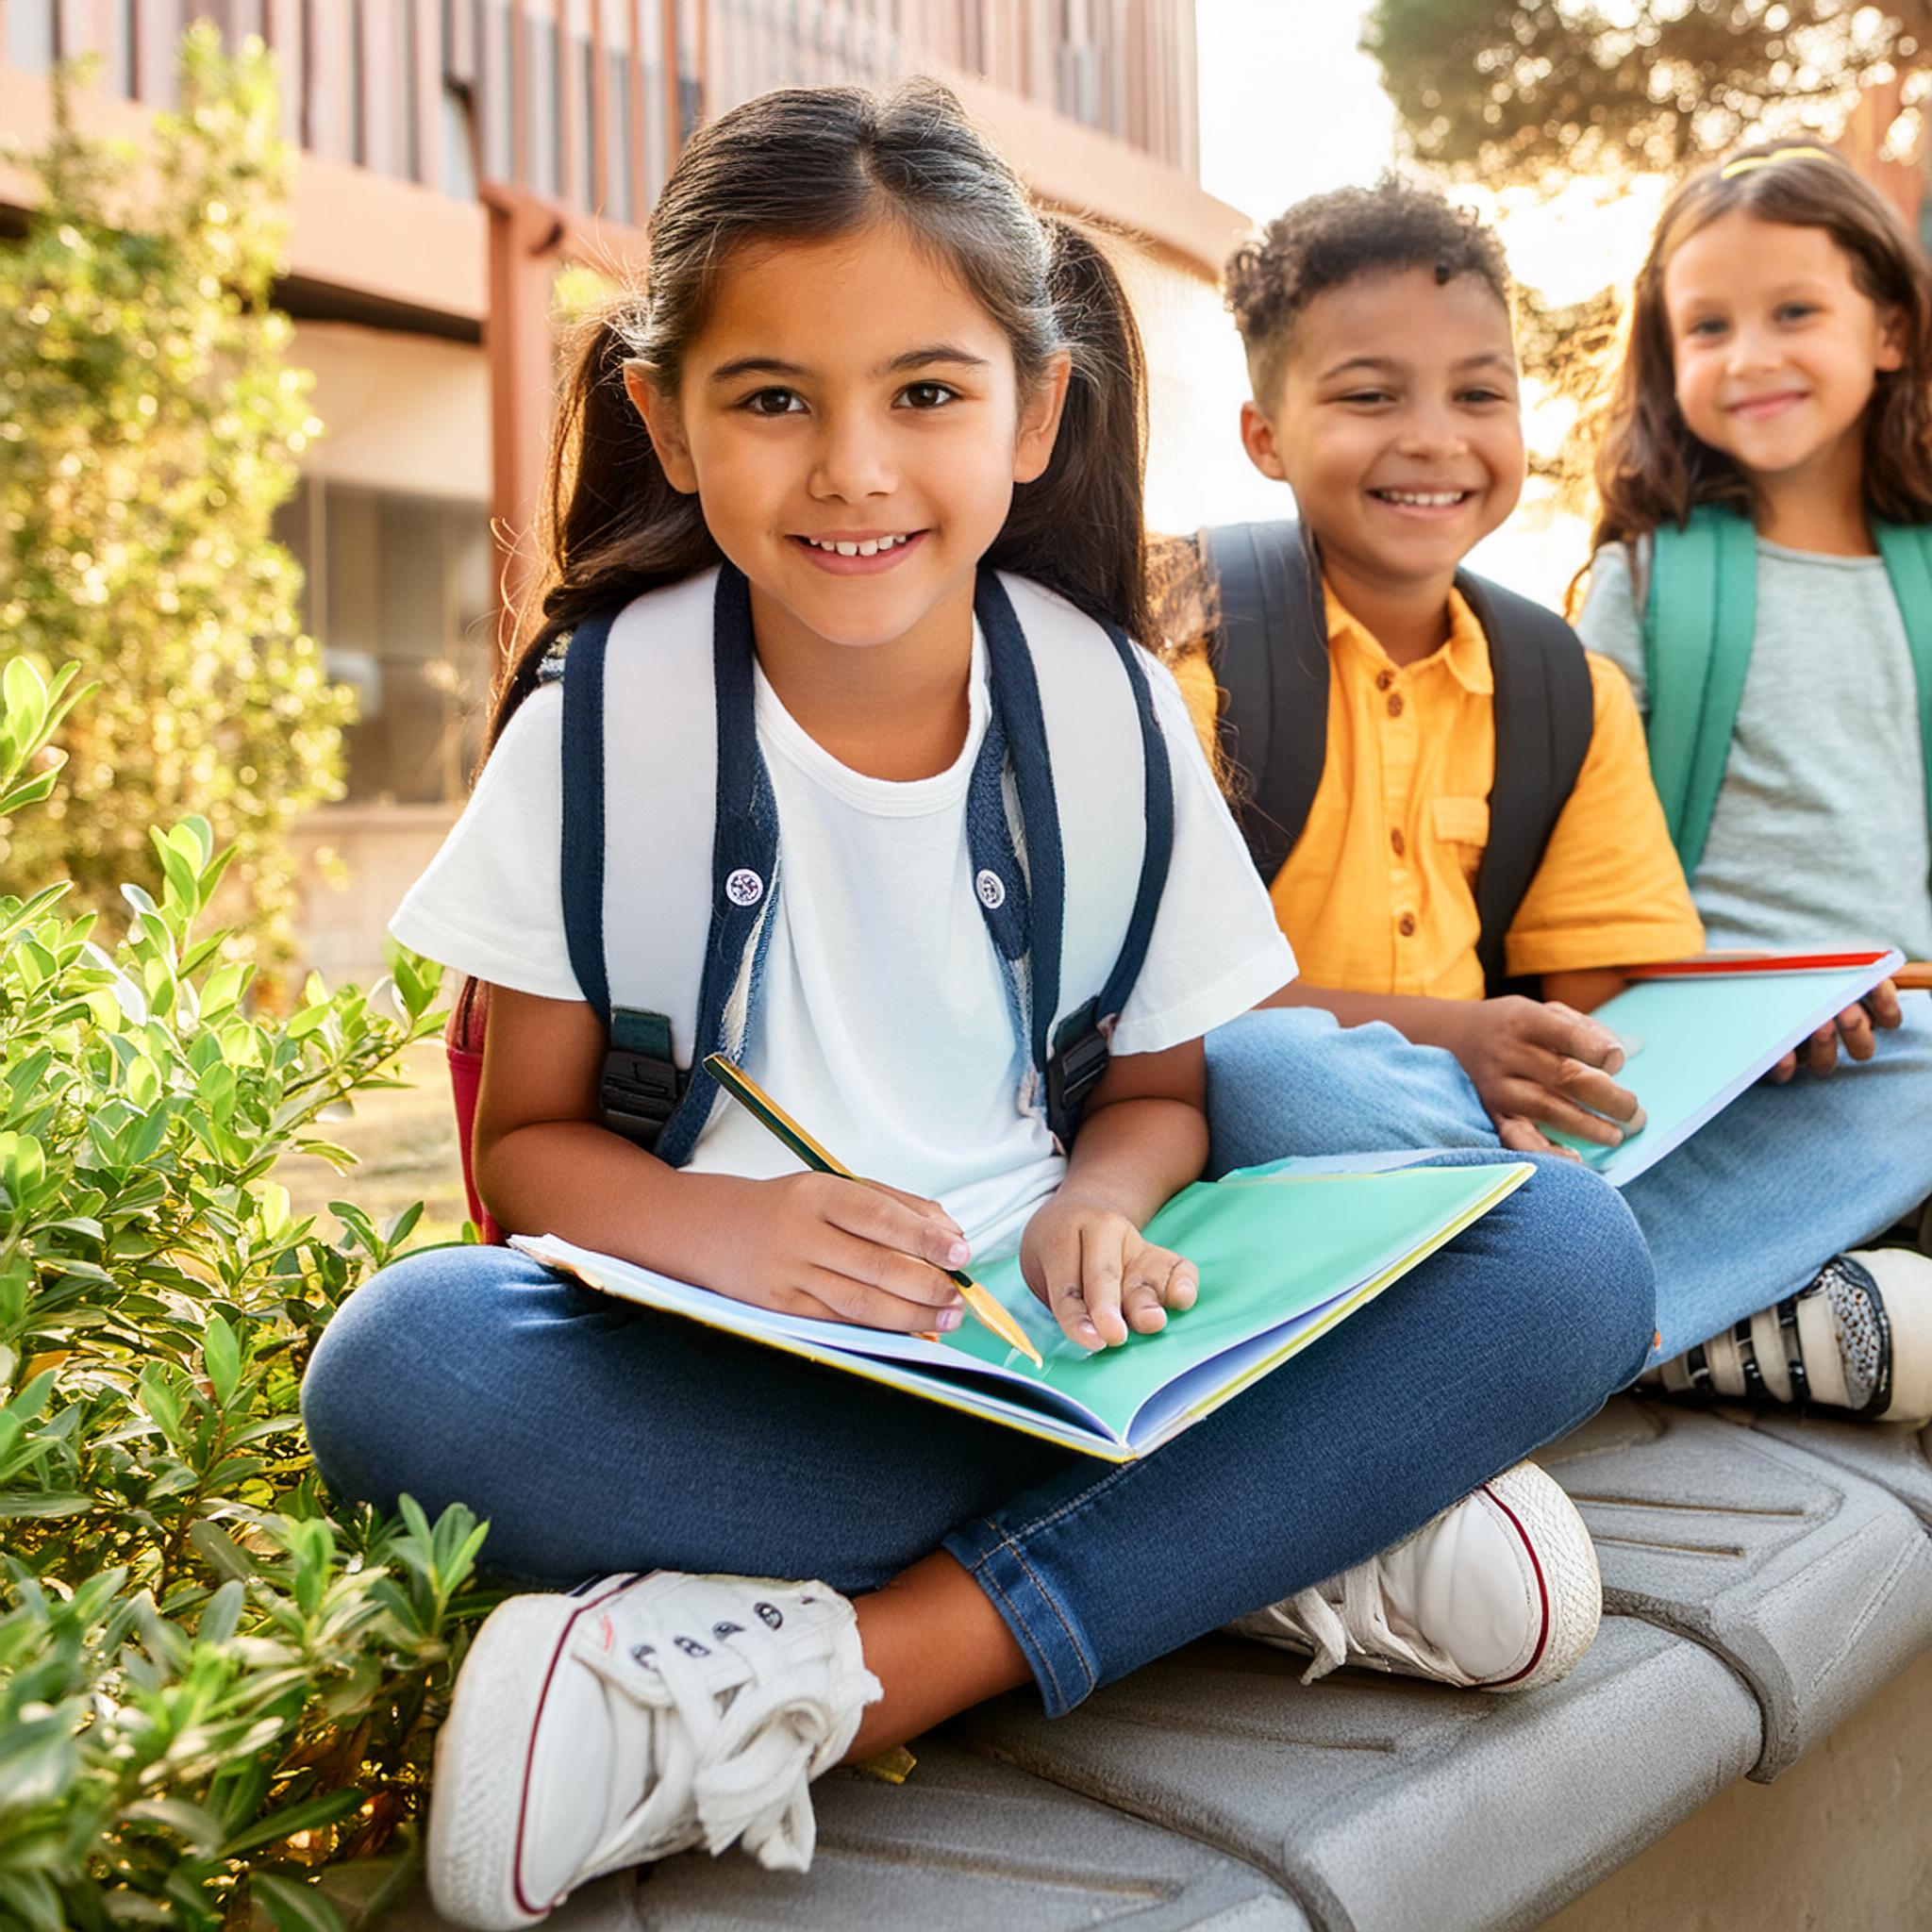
column 1763, row 575
column 847, row 564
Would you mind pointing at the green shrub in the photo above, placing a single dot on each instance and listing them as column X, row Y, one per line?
column 210, row 1681
column 149, row 426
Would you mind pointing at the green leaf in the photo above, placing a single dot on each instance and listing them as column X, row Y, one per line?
column 309, row 1815
column 39, row 1756
column 222, row 1553
column 21, row 1508
column 200, row 1829
column 293, row 1908
column 33, row 1902
column 400, row 1227
column 223, row 1355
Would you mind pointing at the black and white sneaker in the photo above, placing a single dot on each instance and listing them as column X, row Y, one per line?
column 1857, row 1342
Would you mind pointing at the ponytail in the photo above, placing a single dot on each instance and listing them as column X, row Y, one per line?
column 1080, row 526
column 611, row 524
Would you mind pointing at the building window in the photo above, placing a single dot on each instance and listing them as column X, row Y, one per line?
column 399, row 595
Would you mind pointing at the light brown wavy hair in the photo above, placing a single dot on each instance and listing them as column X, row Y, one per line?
column 1650, row 469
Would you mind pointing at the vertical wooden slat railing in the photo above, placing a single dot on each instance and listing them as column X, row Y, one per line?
column 281, row 32
column 639, row 117
column 424, row 28
column 673, row 105
column 601, row 122
column 328, row 120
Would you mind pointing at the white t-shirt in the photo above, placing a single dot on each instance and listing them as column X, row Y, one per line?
column 882, row 1025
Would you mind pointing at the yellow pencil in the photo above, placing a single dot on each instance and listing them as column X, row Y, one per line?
column 773, row 1118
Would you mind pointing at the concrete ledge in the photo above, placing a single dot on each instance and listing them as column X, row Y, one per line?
column 962, row 1847
column 1385, row 1805
column 1838, row 1844
column 1811, row 1581
column 1898, row 1460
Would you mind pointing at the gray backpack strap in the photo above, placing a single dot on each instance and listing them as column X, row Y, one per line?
column 1545, row 713
column 1269, row 656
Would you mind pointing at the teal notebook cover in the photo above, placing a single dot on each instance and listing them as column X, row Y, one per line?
column 1690, row 1046
column 1282, row 1255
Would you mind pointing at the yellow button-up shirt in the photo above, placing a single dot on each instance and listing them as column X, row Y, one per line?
column 1379, row 893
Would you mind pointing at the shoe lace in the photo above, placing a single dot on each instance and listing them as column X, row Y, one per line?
column 729, row 1746
column 1348, row 1615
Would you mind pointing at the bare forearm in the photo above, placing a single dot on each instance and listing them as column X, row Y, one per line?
column 1586, row 990
column 1427, row 1021
column 579, row 1180
column 1134, row 1154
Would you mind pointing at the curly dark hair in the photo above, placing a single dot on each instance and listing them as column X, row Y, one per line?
column 1332, row 239
column 1650, row 469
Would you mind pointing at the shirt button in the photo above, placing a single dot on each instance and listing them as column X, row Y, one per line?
column 1384, row 679
column 1395, row 703
column 1398, row 841
column 1406, row 925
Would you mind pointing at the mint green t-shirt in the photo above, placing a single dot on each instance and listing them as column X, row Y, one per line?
column 1821, row 829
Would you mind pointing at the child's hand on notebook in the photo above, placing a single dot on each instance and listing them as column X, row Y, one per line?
column 1103, row 1280
column 1853, row 1028
column 842, row 1250
column 1539, row 1063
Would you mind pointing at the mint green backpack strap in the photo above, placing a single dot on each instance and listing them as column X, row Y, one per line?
column 1698, row 622
column 1907, row 549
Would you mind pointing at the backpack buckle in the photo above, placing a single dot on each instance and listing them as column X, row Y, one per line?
column 1073, row 1070
column 637, row 1093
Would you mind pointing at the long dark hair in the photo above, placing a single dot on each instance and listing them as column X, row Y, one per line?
column 804, row 165
column 1650, row 469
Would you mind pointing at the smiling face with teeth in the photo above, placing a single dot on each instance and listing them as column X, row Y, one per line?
column 1396, row 421
column 851, row 419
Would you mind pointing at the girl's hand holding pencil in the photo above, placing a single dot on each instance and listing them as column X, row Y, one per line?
column 840, row 1249
column 837, row 1193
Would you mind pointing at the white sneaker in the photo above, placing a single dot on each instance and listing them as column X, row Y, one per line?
column 1499, row 1592
column 1858, row 1340
column 633, row 1719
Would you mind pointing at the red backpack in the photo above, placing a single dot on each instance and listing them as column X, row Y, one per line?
column 462, row 1039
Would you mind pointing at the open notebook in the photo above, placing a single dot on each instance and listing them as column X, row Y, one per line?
column 1697, row 1033
column 1282, row 1255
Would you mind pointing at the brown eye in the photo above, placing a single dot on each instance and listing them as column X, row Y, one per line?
column 772, row 402
column 927, row 395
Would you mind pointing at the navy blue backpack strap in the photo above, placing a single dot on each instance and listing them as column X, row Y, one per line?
column 1545, row 712
column 1080, row 1049
column 639, row 1089
column 583, row 808
column 1071, row 1057
column 745, row 863
column 1270, row 654
column 1021, row 726
column 643, row 1094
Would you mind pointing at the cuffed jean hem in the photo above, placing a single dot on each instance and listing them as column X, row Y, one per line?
column 1064, row 1668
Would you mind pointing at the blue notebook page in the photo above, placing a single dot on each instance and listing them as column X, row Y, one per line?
column 1692, row 1045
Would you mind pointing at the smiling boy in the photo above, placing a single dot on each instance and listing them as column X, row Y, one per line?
column 1478, row 825
column 1378, row 330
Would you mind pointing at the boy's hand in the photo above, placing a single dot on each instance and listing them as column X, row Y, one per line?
column 1538, row 1064
column 1089, row 1263
column 818, row 1244
column 1853, row 1027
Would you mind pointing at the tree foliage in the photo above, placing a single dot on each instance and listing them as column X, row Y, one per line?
column 1520, row 89
column 215, row 1690
column 148, row 430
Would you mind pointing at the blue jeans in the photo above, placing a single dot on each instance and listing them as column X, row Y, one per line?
column 597, row 1437
column 1743, row 1214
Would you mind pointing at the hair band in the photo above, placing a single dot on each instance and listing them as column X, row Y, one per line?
column 1744, row 163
